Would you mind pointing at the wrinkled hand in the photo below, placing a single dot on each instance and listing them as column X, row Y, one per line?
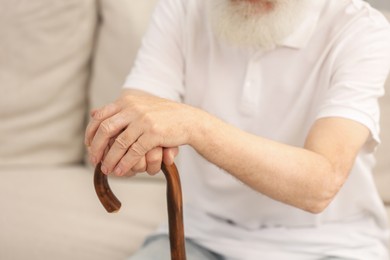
column 136, row 133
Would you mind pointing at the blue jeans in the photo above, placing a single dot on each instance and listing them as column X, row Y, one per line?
column 157, row 248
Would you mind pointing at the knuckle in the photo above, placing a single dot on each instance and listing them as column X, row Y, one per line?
column 122, row 141
column 138, row 149
column 148, row 120
column 134, row 107
column 127, row 113
column 106, row 111
column 99, row 114
column 106, row 127
column 154, row 129
column 90, row 133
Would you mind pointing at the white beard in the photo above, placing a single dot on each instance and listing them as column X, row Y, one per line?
column 247, row 24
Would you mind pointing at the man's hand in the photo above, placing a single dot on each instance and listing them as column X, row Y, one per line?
column 137, row 132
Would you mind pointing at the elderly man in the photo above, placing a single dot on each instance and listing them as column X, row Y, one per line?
column 273, row 104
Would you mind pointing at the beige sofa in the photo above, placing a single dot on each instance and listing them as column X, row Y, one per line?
column 58, row 59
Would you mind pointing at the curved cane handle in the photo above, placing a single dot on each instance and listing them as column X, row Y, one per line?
column 108, row 199
column 174, row 202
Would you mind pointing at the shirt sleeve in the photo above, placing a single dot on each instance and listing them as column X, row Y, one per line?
column 361, row 65
column 159, row 66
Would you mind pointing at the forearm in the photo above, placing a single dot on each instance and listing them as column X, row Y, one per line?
column 292, row 175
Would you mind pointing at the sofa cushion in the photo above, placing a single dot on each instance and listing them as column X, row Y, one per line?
column 54, row 213
column 45, row 51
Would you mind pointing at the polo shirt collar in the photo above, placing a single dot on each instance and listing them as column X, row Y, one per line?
column 306, row 29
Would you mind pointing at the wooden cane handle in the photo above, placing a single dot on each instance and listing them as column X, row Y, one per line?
column 108, row 199
column 174, row 203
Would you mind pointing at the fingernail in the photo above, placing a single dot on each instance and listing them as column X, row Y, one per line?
column 118, row 171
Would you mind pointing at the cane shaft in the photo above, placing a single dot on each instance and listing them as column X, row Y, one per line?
column 175, row 212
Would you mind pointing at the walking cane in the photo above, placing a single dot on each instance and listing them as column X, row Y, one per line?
column 174, row 201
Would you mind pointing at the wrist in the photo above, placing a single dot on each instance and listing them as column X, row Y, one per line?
column 200, row 128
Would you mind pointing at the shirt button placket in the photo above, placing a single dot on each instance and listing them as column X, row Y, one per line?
column 250, row 92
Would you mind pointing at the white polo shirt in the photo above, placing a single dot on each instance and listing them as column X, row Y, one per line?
column 333, row 65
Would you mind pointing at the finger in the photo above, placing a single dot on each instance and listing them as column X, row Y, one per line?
column 136, row 151
column 99, row 115
column 110, row 142
column 140, row 166
column 137, row 168
column 107, row 130
column 153, row 160
column 93, row 112
column 169, row 155
column 119, row 148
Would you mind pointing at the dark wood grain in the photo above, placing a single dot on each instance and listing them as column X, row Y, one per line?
column 103, row 191
column 174, row 202
column 175, row 212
